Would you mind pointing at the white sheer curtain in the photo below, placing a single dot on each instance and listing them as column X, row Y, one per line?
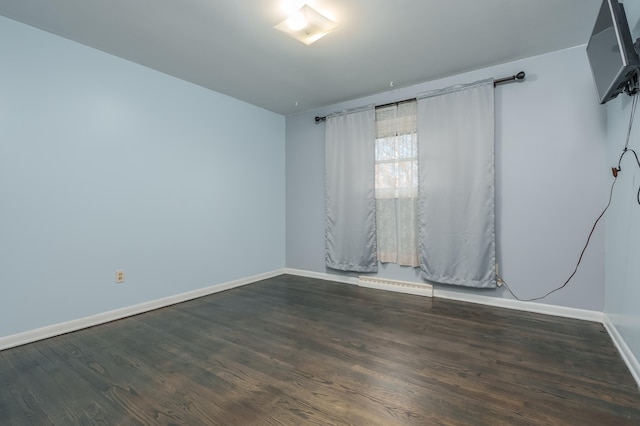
column 456, row 204
column 350, row 231
column 397, row 184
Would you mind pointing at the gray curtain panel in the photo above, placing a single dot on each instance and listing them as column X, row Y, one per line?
column 350, row 205
column 456, row 204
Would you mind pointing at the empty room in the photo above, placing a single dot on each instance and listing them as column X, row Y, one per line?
column 281, row 212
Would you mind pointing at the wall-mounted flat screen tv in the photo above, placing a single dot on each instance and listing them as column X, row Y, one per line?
column 613, row 59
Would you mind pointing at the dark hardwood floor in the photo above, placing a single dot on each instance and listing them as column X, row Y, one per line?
column 293, row 351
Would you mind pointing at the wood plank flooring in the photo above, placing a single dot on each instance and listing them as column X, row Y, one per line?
column 294, row 351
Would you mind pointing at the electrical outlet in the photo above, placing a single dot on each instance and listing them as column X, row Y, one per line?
column 119, row 276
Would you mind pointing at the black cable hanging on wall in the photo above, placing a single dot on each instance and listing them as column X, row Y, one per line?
column 615, row 171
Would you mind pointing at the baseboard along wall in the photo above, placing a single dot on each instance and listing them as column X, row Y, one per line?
column 421, row 289
column 539, row 308
column 105, row 317
column 623, row 349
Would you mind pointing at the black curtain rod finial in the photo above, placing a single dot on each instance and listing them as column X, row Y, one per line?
column 520, row 76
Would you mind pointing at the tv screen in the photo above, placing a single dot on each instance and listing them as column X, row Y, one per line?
column 611, row 53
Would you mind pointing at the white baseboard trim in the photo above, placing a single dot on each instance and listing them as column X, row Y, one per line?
column 625, row 352
column 78, row 324
column 538, row 308
column 322, row 276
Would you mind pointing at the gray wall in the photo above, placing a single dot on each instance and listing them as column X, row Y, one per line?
column 108, row 165
column 623, row 218
column 551, row 179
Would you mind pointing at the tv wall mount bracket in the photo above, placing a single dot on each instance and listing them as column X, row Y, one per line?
column 633, row 85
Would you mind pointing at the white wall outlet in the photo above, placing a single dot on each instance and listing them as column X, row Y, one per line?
column 119, row 276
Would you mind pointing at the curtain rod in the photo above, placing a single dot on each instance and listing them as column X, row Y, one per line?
column 515, row 77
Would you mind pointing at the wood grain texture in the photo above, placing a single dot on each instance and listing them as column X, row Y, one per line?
column 292, row 350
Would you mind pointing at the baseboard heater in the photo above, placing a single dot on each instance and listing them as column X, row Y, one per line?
column 417, row 289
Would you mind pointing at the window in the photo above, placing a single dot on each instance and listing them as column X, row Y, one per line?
column 396, row 184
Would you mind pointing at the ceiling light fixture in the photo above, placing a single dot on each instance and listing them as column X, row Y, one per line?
column 307, row 25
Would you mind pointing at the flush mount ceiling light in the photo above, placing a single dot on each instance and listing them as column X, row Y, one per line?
column 307, row 25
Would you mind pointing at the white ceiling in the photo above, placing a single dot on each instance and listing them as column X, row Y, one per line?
column 232, row 48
